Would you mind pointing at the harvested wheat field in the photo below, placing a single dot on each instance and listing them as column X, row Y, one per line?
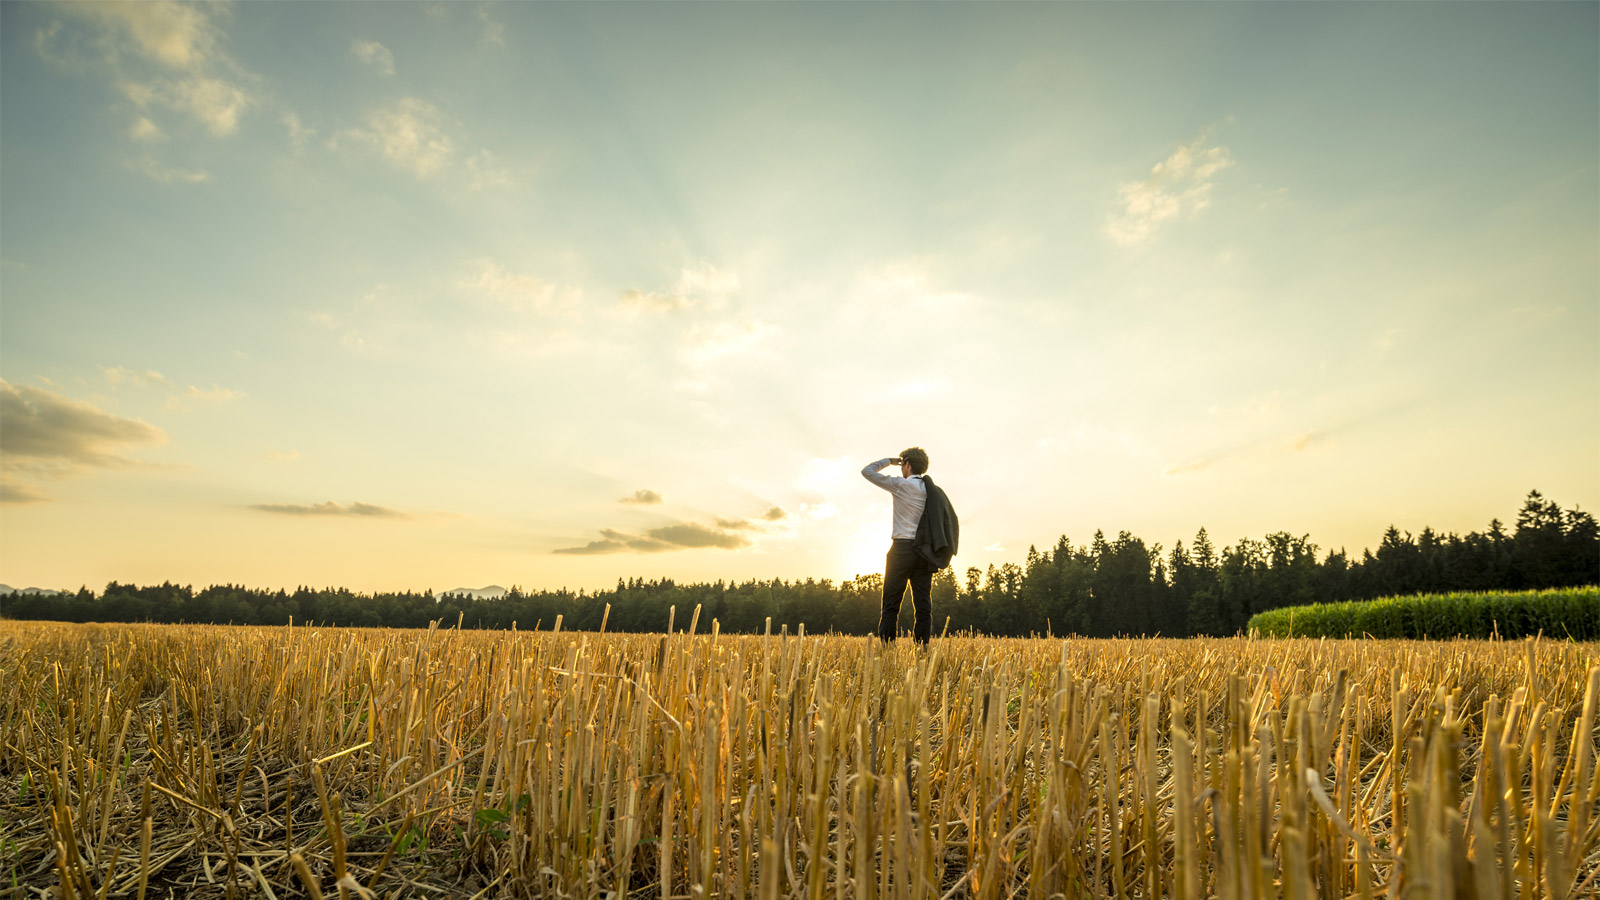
column 199, row 761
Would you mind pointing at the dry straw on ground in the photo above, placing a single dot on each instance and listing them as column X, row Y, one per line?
column 192, row 761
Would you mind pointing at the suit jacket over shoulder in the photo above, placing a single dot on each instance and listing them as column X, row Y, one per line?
column 938, row 531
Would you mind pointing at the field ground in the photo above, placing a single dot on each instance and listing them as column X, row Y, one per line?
column 201, row 761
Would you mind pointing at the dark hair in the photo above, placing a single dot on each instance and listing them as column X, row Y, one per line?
column 917, row 458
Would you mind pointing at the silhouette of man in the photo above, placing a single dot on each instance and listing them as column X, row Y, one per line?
column 922, row 540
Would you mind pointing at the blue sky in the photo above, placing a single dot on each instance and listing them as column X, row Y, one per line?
column 415, row 295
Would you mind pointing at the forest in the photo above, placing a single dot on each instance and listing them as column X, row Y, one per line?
column 1106, row 587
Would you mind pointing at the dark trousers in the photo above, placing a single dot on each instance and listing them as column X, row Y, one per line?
column 904, row 565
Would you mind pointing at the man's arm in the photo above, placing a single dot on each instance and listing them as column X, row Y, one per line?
column 872, row 474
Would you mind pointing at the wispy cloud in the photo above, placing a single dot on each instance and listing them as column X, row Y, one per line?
column 914, row 283
column 196, row 78
column 299, row 133
column 45, row 433
column 1281, row 443
column 155, row 169
column 485, row 171
column 144, row 130
column 1178, row 187
column 119, row 375
column 699, row 285
column 607, row 545
column 373, row 54
column 14, row 492
column 494, row 32
column 213, row 102
column 635, row 302
column 330, row 508
column 166, row 60
column 642, row 497
column 179, row 36
column 707, row 343
column 677, row 536
column 492, row 282
column 408, row 133
column 214, row 393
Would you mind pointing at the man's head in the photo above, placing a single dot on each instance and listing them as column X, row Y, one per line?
column 915, row 459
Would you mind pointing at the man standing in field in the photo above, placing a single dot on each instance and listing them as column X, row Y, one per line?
column 923, row 536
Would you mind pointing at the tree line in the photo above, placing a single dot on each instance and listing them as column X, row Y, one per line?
column 1107, row 587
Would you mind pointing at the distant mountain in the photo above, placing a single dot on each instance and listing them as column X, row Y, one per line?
column 491, row 592
column 8, row 589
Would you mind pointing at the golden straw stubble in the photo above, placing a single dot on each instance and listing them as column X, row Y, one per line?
column 238, row 761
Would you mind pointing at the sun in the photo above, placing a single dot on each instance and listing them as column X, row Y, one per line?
column 864, row 556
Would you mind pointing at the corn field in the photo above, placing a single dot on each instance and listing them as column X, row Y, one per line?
column 202, row 761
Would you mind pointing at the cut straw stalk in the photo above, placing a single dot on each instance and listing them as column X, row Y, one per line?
column 1076, row 767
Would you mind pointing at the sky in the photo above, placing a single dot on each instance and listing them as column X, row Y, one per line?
column 410, row 296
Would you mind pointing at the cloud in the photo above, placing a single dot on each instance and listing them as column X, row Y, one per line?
column 148, row 378
column 1537, row 315
column 179, row 36
column 166, row 60
column 1254, row 449
column 494, row 33
column 819, row 510
column 1178, row 187
column 44, row 434
column 409, row 133
column 699, row 284
column 735, row 524
column 614, row 541
column 44, row 40
column 688, row 534
column 775, row 514
column 914, row 283
column 677, row 536
column 11, row 492
column 218, row 394
column 373, row 54
column 484, row 171
column 215, row 103
column 41, row 425
column 283, row 455
column 360, row 510
column 521, row 293
column 153, row 168
column 1193, row 465
column 593, row 548
column 1281, row 444
column 634, row 302
column 642, row 497
column 298, row 132
column 122, row 377
column 707, row 343
column 145, row 130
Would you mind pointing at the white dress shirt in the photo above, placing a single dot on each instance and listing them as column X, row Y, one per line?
column 910, row 496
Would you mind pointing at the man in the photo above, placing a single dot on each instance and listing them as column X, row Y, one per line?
column 923, row 540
